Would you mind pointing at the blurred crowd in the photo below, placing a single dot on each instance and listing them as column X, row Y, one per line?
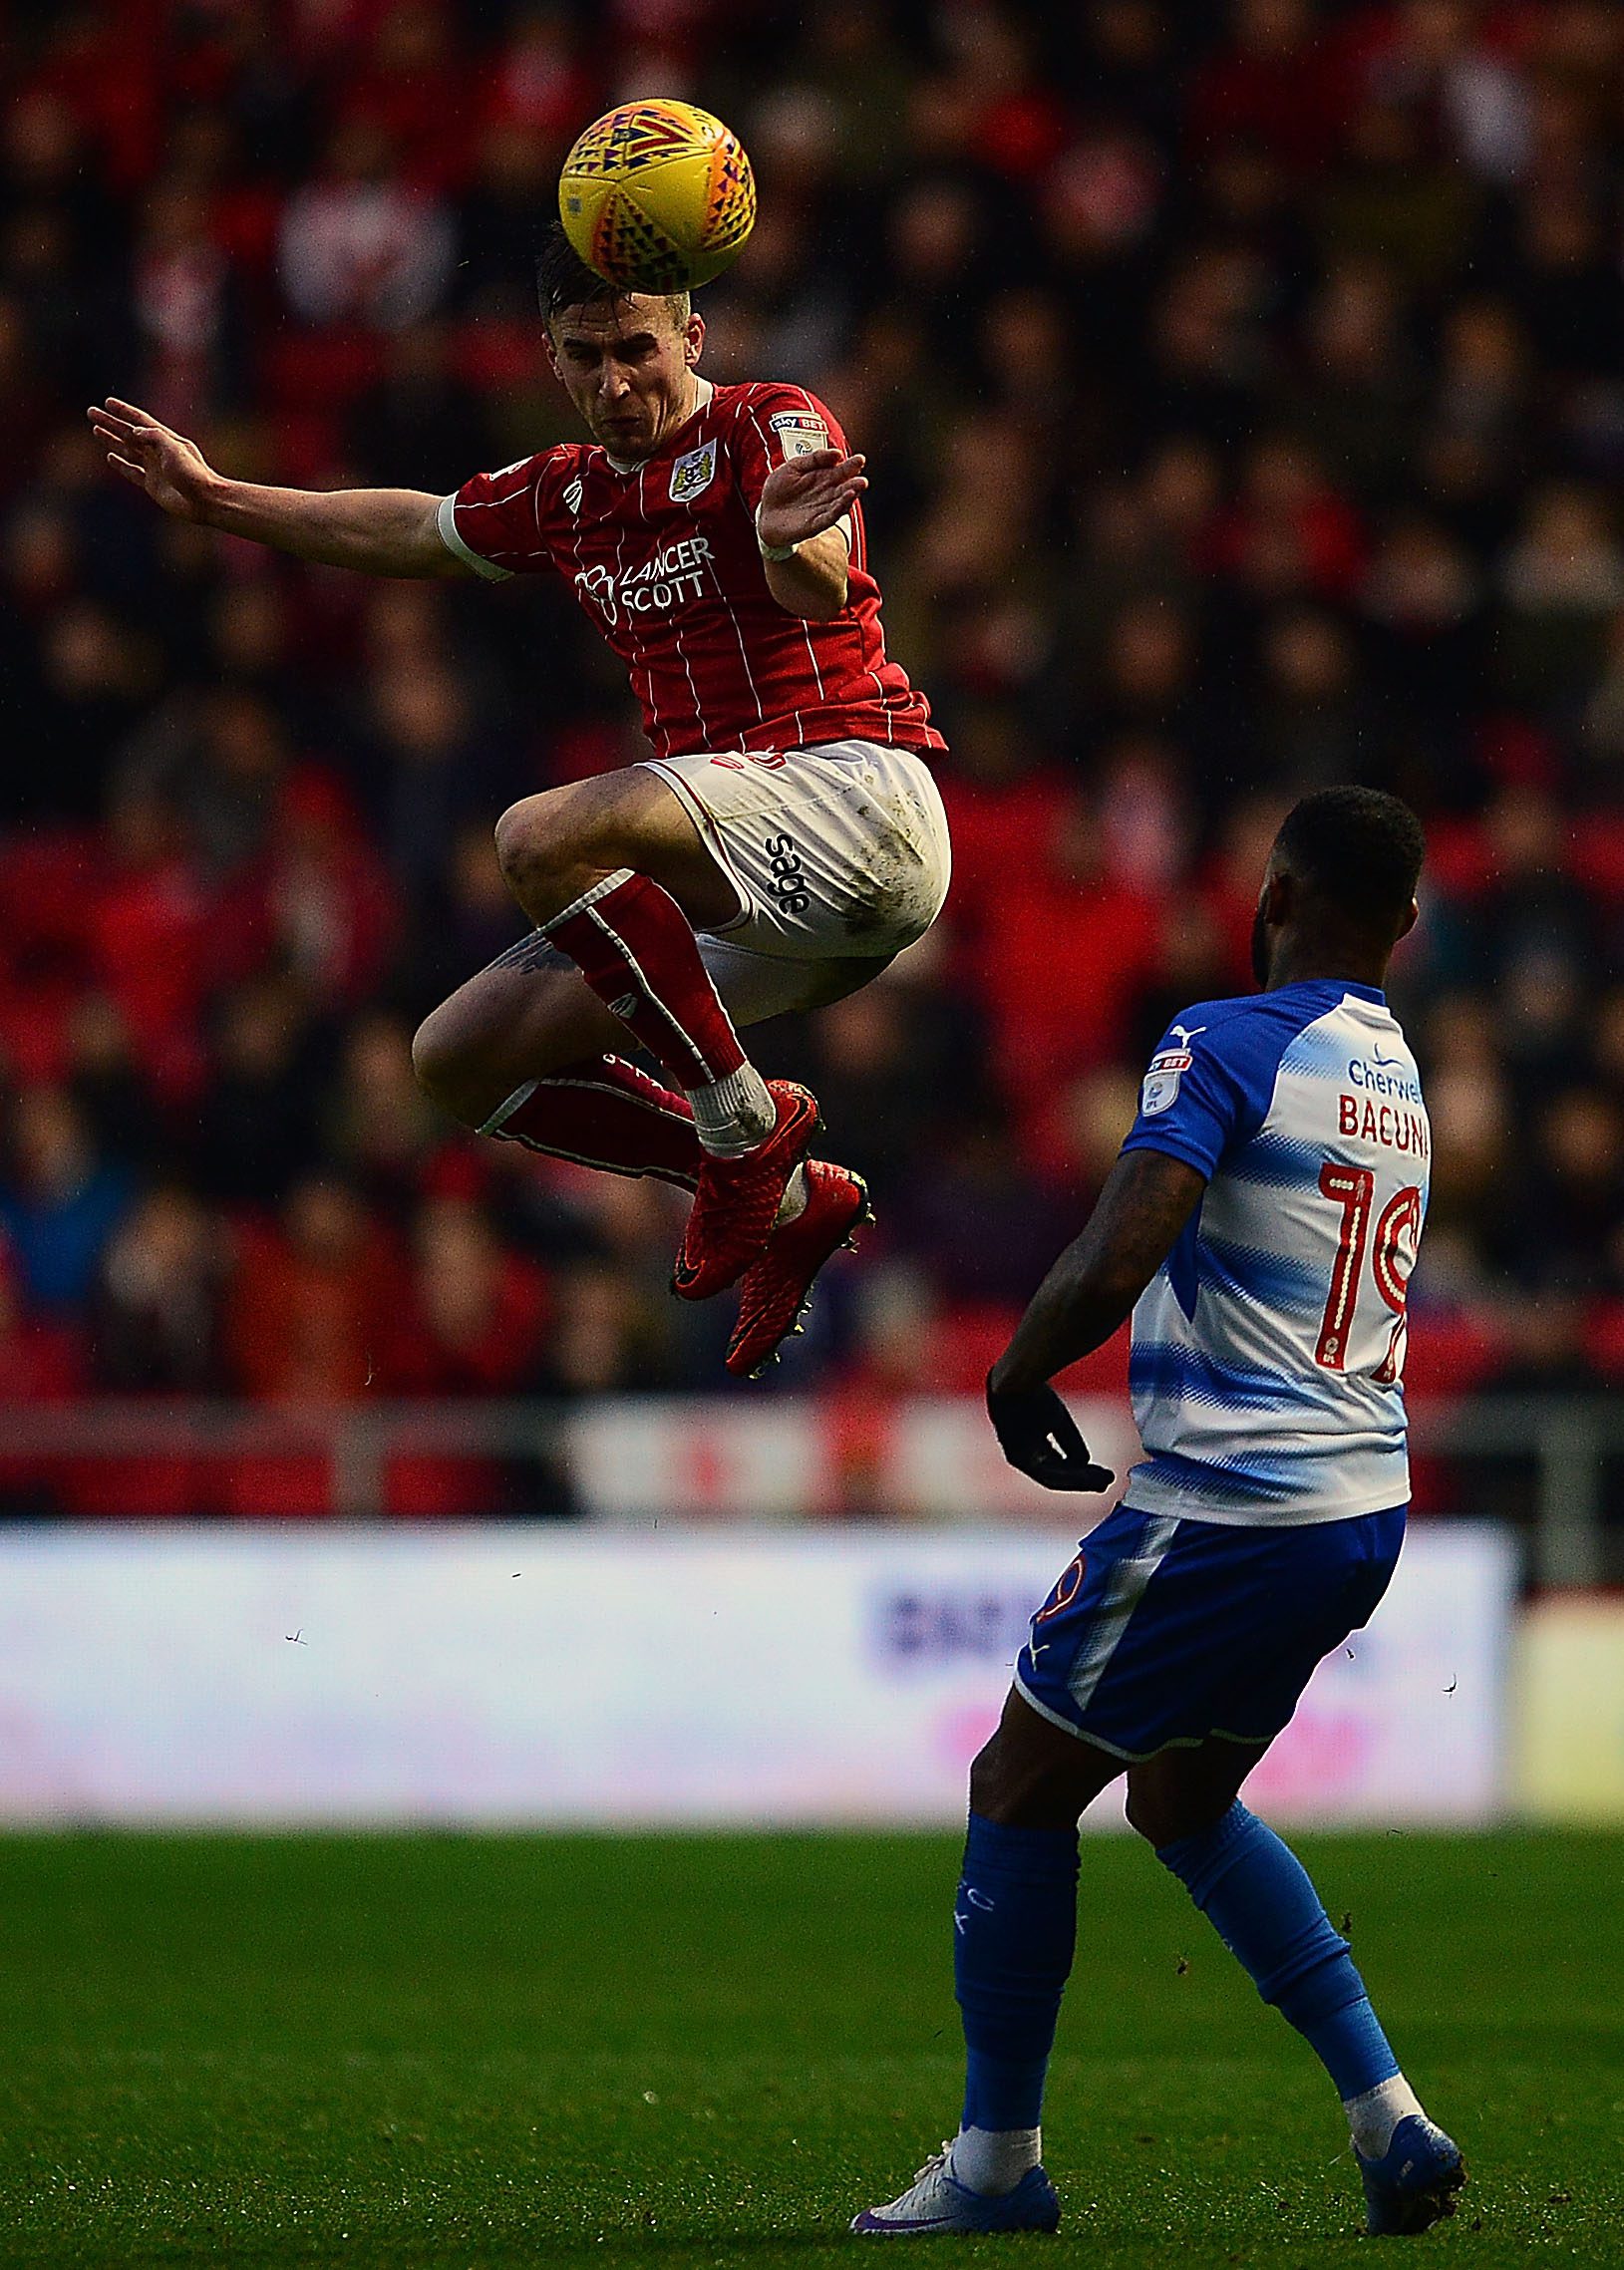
column 1243, row 392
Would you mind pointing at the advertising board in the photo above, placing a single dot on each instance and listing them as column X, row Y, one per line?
column 517, row 1673
column 1568, row 1752
column 698, row 1458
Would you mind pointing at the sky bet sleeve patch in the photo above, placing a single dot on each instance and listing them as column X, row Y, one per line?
column 799, row 433
column 1160, row 1087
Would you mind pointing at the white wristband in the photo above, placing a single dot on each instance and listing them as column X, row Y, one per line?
column 773, row 551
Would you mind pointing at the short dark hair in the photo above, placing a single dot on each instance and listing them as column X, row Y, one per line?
column 564, row 279
column 1360, row 851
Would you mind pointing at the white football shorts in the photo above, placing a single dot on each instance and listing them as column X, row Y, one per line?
column 840, row 857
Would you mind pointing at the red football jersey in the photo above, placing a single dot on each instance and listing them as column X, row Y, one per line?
column 663, row 557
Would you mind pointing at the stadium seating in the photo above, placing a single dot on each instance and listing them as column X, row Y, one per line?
column 1184, row 501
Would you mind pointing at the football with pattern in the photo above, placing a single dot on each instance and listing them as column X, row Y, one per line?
column 657, row 196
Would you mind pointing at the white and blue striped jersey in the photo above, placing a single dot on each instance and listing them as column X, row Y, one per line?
column 1268, row 1348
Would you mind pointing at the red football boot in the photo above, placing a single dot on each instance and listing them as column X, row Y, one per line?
column 777, row 1290
column 738, row 1199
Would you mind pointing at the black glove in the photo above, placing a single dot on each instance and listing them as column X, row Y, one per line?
column 1038, row 1433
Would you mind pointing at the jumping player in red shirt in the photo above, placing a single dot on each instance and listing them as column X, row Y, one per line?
column 782, row 843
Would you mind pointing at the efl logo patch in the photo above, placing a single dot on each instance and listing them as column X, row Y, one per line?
column 692, row 474
column 799, row 433
column 574, row 493
column 1160, row 1087
column 1067, row 1587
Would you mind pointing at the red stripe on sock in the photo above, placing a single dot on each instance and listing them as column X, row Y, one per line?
column 636, row 950
column 607, row 1112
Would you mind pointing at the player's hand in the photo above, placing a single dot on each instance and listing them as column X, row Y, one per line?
column 1038, row 1435
column 804, row 496
column 173, row 472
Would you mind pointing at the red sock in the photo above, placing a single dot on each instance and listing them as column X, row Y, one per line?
column 632, row 943
column 604, row 1112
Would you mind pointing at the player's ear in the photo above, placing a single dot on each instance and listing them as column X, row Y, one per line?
column 1275, row 900
column 693, row 338
column 1411, row 919
column 551, row 352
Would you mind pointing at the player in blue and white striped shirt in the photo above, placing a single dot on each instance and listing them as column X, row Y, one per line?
column 1261, row 1224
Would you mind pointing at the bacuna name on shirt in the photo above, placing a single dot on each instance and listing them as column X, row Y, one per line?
column 1393, row 1125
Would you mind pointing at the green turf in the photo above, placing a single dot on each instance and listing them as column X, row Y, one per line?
column 464, row 2051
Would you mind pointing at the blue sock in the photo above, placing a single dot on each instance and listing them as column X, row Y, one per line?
column 1014, row 1934
column 1257, row 1895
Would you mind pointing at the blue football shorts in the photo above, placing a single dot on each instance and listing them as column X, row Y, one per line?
column 1165, row 1631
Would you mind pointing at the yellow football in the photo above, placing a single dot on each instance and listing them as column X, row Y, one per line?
column 657, row 196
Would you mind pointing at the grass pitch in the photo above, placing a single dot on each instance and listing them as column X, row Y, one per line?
column 674, row 2052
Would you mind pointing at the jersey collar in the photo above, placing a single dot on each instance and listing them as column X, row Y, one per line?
column 703, row 402
column 1340, row 985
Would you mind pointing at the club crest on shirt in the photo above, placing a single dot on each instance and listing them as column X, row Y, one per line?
column 1160, row 1087
column 799, row 433
column 693, row 473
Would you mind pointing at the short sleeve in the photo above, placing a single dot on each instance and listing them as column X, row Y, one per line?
column 493, row 522
column 776, row 424
column 1211, row 1080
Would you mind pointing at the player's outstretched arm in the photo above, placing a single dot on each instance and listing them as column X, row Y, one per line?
column 1090, row 1291
column 1094, row 1285
column 381, row 531
column 802, row 502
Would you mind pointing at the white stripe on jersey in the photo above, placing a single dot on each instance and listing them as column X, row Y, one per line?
column 575, row 539
column 580, row 571
column 488, row 503
column 749, row 675
column 861, row 563
column 621, row 568
column 806, row 627
column 621, row 577
column 1264, row 1355
column 676, row 630
column 766, row 447
column 445, row 523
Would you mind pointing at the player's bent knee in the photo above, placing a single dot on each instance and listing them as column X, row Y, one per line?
column 1163, row 1816
column 445, row 1066
column 431, row 1057
column 1017, row 1793
column 527, row 844
column 1148, row 1817
column 988, row 1781
column 552, row 835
